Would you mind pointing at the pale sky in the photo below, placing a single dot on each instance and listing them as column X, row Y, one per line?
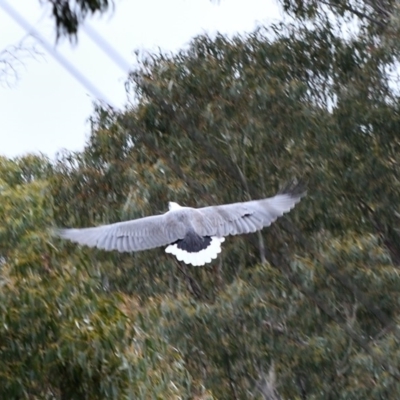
column 47, row 108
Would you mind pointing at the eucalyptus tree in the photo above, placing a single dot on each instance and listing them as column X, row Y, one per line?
column 308, row 302
column 62, row 335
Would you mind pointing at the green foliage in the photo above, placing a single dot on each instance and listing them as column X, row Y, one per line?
column 61, row 334
column 69, row 15
column 262, row 320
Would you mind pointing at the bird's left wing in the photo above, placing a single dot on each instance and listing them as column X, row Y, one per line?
column 249, row 216
column 139, row 234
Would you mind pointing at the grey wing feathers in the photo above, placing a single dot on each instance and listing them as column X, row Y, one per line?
column 139, row 234
column 250, row 216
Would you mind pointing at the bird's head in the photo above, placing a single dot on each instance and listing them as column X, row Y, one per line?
column 173, row 206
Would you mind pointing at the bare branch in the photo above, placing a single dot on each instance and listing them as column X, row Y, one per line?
column 13, row 58
column 355, row 12
column 267, row 384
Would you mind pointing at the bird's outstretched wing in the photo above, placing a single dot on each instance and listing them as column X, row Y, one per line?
column 249, row 216
column 139, row 234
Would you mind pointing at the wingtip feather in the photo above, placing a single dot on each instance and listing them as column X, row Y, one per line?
column 59, row 232
column 295, row 188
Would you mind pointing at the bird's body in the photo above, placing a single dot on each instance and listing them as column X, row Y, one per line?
column 193, row 235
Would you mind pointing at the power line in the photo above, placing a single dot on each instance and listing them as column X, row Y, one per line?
column 57, row 56
column 107, row 48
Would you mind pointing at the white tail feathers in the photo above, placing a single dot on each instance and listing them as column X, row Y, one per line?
column 201, row 257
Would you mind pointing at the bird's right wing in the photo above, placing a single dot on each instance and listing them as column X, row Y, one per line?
column 249, row 216
column 139, row 234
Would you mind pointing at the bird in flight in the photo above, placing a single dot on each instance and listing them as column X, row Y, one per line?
column 193, row 235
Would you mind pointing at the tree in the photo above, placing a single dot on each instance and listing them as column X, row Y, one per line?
column 163, row 142
column 69, row 15
column 62, row 335
column 13, row 57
